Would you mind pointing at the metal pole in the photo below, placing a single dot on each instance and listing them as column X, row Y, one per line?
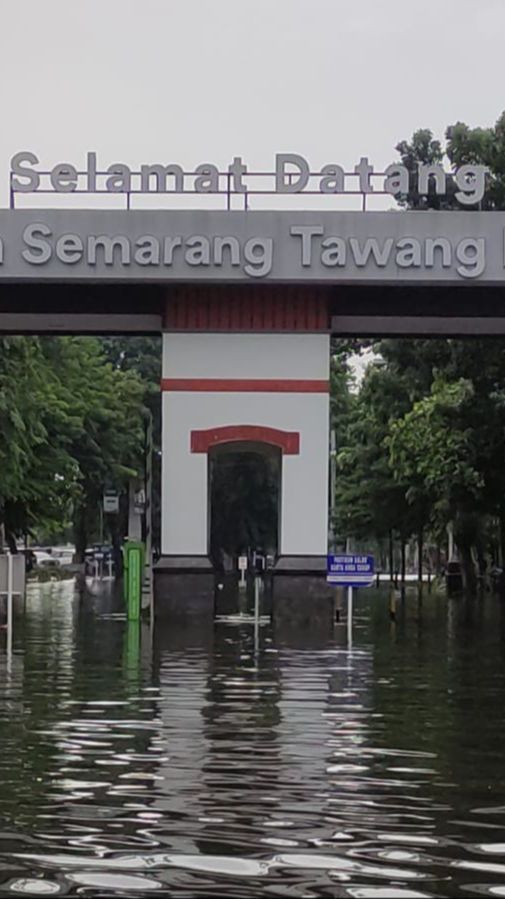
column 9, row 605
column 256, row 611
column 349, row 616
column 147, row 587
column 333, row 485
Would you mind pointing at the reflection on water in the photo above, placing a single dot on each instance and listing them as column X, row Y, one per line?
column 187, row 764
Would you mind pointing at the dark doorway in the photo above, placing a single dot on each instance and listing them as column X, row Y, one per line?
column 244, row 501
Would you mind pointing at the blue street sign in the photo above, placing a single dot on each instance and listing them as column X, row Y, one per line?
column 350, row 570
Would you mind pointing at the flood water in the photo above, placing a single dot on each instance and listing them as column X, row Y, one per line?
column 192, row 766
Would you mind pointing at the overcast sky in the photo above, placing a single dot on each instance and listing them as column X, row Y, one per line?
column 204, row 80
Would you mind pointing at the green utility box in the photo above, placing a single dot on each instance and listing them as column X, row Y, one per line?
column 133, row 562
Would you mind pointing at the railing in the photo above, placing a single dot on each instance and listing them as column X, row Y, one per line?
column 225, row 190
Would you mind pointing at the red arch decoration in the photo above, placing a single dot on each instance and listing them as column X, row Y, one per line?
column 287, row 441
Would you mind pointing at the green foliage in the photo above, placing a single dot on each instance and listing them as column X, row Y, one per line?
column 71, row 423
column 431, row 448
column 484, row 146
column 423, row 149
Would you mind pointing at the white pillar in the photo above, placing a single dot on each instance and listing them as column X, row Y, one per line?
column 274, row 382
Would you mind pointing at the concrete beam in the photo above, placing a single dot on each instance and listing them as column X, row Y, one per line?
column 417, row 325
column 78, row 323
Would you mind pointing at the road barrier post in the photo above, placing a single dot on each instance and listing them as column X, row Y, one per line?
column 133, row 558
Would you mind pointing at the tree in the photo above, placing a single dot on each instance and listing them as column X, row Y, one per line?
column 142, row 355
column 71, row 423
column 433, row 448
column 36, row 468
column 482, row 146
column 108, row 448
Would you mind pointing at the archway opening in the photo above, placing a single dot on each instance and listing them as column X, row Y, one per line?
column 245, row 487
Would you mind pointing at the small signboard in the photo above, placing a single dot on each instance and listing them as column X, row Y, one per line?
column 101, row 551
column 350, row 570
column 242, row 563
column 139, row 501
column 110, row 501
column 18, row 573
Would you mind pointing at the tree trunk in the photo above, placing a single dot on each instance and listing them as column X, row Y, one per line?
column 502, row 540
column 80, row 534
column 420, row 548
column 450, row 541
column 391, row 557
column 468, row 569
column 481, row 563
column 403, row 562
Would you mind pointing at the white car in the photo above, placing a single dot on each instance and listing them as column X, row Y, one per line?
column 46, row 560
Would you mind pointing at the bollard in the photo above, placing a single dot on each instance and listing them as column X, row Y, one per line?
column 9, row 605
column 243, row 562
column 349, row 616
column 133, row 557
column 338, row 604
column 256, row 612
column 392, row 605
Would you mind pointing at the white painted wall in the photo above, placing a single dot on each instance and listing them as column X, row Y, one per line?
column 245, row 355
column 304, row 497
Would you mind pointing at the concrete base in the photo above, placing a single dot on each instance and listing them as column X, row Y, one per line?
column 301, row 596
column 184, row 588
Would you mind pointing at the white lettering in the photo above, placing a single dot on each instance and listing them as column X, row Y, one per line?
column 120, row 178
column 237, row 169
column 429, row 173
column 208, row 178
column 91, row 171
column 31, row 178
column 333, row 181
column 471, row 253
column 258, row 254
column 284, row 183
column 171, row 244
column 69, row 248
column 334, row 252
column 306, row 232
column 437, row 243
column 371, row 248
column 109, row 245
column 199, row 250
column 397, row 179
column 408, row 252
column 148, row 251
column 364, row 170
column 161, row 174
column 33, row 236
column 232, row 244
column 64, row 178
column 471, row 180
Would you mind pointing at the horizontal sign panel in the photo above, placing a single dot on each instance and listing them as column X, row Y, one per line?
column 18, row 563
column 349, row 570
column 212, row 245
column 110, row 502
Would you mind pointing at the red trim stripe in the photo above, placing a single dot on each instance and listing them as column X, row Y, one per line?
column 245, row 385
column 287, row 441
